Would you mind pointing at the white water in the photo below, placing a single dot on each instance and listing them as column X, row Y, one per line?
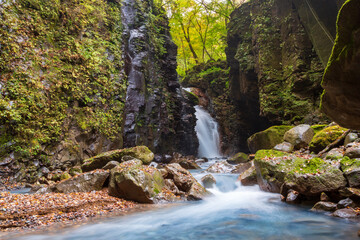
column 207, row 133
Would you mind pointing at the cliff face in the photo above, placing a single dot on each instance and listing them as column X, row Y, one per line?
column 156, row 114
column 67, row 74
column 277, row 52
column 341, row 78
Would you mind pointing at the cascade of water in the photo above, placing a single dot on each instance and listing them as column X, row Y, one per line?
column 207, row 133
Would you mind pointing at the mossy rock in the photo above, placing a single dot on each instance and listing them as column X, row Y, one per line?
column 238, row 158
column 132, row 180
column 317, row 128
column 65, row 176
column 325, row 137
column 309, row 177
column 351, row 169
column 142, row 153
column 268, row 138
column 193, row 98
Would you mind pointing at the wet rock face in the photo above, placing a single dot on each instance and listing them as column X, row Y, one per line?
column 341, row 78
column 156, row 112
column 274, row 71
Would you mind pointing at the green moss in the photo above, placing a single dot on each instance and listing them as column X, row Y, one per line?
column 61, row 63
column 268, row 138
column 349, row 164
column 318, row 128
column 262, row 154
column 194, row 99
column 65, row 176
column 325, row 137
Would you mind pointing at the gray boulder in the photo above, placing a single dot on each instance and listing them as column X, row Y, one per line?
column 86, row 182
column 133, row 181
column 353, row 151
column 299, row 136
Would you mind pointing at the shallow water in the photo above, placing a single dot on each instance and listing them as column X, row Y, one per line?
column 234, row 212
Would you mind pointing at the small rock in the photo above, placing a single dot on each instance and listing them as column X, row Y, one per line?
column 284, row 147
column 65, row 176
column 344, row 203
column 324, row 206
column 242, row 167
column 208, row 181
column 197, row 192
column 345, row 213
column 189, row 164
column 110, row 165
column 353, row 152
column 293, row 197
column 200, row 161
column 221, row 167
column 334, row 154
column 324, row 197
column 248, row 178
column 299, row 136
column 351, row 137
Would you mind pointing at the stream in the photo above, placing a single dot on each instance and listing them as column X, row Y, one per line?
column 233, row 212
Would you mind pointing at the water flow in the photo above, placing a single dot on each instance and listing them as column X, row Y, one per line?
column 207, row 133
column 232, row 213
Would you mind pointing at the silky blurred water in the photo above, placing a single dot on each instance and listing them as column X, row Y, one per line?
column 234, row 212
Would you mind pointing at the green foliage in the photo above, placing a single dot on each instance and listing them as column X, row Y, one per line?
column 60, row 64
column 198, row 29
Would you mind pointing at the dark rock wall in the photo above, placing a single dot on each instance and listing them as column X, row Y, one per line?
column 341, row 79
column 275, row 70
column 156, row 113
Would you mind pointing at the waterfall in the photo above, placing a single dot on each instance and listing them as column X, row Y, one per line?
column 207, row 133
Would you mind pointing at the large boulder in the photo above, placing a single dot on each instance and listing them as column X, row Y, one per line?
column 268, row 138
column 299, row 136
column 142, row 153
column 324, row 206
column 308, row 176
column 325, row 137
column 85, row 182
column 340, row 100
column 132, row 180
column 185, row 182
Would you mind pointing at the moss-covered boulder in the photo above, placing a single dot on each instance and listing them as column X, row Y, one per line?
column 268, row 138
column 142, row 153
column 341, row 79
column 238, row 158
column 308, row 176
column 351, row 169
column 132, row 180
column 325, row 137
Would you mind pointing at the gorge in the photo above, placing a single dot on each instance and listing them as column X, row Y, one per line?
column 230, row 139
